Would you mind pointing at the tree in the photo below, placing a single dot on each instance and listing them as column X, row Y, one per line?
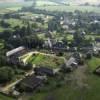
column 6, row 34
column 29, row 29
column 54, row 24
column 24, row 31
column 78, row 38
column 32, row 41
column 6, row 74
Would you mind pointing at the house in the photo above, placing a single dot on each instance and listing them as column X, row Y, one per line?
column 69, row 65
column 13, row 55
column 59, row 44
column 29, row 83
column 97, row 71
column 72, row 60
column 78, row 58
column 50, row 43
column 89, row 55
column 44, row 71
column 72, row 63
column 97, row 40
column 86, row 48
column 96, row 48
column 15, row 51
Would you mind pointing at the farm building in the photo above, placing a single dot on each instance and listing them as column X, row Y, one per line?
column 15, row 51
column 29, row 84
column 13, row 55
column 59, row 44
column 44, row 71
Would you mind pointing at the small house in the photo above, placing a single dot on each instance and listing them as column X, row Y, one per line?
column 97, row 71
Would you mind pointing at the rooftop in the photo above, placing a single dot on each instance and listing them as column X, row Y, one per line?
column 10, row 53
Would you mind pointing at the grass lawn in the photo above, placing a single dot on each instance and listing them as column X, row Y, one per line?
column 93, row 63
column 69, row 37
column 1, row 29
column 46, row 61
column 43, row 60
column 2, row 97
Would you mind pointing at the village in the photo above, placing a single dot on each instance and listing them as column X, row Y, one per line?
column 43, row 51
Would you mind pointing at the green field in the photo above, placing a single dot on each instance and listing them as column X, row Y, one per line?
column 43, row 60
column 14, row 22
column 14, row 8
column 2, row 97
column 70, row 8
column 10, row 5
column 94, row 63
column 72, row 92
column 49, row 6
column 46, row 61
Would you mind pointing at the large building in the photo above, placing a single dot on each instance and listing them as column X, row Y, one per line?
column 14, row 51
column 13, row 55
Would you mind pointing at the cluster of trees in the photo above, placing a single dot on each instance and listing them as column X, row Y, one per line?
column 4, row 24
column 21, row 36
column 80, row 40
column 54, row 25
column 6, row 74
